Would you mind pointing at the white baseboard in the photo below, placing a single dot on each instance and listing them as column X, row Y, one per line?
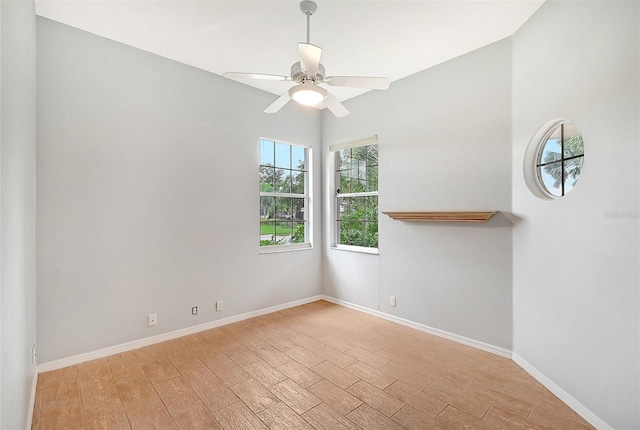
column 570, row 401
column 425, row 328
column 116, row 349
column 574, row 404
column 100, row 353
column 32, row 400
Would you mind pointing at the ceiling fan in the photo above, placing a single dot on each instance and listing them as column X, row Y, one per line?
column 308, row 74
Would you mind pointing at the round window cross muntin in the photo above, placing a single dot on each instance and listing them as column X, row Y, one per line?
column 552, row 170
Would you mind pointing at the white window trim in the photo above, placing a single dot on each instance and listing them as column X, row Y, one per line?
column 333, row 196
column 271, row 249
column 354, row 144
column 364, row 194
column 532, row 155
column 352, row 248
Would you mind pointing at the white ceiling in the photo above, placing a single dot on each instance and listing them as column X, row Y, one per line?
column 393, row 38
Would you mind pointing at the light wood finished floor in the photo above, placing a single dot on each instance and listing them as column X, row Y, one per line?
column 318, row 366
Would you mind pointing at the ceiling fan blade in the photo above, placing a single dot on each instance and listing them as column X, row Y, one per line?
column 369, row 82
column 260, row 76
column 278, row 104
column 309, row 58
column 334, row 105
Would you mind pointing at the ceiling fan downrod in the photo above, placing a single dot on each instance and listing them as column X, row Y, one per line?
column 308, row 8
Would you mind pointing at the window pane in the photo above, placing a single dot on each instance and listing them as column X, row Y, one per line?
column 359, row 208
column 347, row 235
column 353, row 176
column 573, row 144
column 266, row 152
column 283, row 155
column 297, row 209
column 372, row 155
column 299, row 233
column 357, row 218
column 267, row 177
column 275, row 233
column 285, row 231
column 358, row 176
column 352, row 233
column 267, row 233
column 551, row 150
column 359, row 153
column 371, row 234
column 343, row 208
column 372, row 208
column 345, row 182
column 283, row 209
column 343, row 233
column 297, row 182
column 551, row 176
column 283, row 181
column 298, row 158
column 343, row 159
column 572, row 169
column 267, row 207
column 372, row 178
column 362, row 174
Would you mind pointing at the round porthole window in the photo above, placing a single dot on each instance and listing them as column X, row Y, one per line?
column 554, row 159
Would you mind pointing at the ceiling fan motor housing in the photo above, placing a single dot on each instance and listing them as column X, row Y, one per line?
column 297, row 75
column 308, row 7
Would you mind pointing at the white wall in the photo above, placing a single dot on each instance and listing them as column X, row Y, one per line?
column 444, row 145
column 148, row 195
column 575, row 264
column 17, row 217
column 136, row 213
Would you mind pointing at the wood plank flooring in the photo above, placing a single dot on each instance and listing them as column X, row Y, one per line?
column 318, row 366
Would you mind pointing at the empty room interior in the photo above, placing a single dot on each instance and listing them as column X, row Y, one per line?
column 448, row 239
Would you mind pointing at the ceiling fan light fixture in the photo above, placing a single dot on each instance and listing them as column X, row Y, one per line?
column 308, row 95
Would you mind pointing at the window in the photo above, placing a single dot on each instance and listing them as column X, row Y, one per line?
column 284, row 195
column 560, row 160
column 356, row 180
column 557, row 152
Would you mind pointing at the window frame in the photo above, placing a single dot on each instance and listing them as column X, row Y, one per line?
column 307, row 197
column 335, row 196
column 540, row 164
column 532, row 167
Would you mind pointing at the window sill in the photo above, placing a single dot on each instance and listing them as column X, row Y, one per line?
column 285, row 248
column 360, row 249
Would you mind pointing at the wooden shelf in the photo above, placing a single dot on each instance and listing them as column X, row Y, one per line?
column 442, row 216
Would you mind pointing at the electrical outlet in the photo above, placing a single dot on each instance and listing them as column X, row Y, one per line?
column 392, row 301
column 219, row 306
column 33, row 354
column 153, row 319
column 194, row 310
